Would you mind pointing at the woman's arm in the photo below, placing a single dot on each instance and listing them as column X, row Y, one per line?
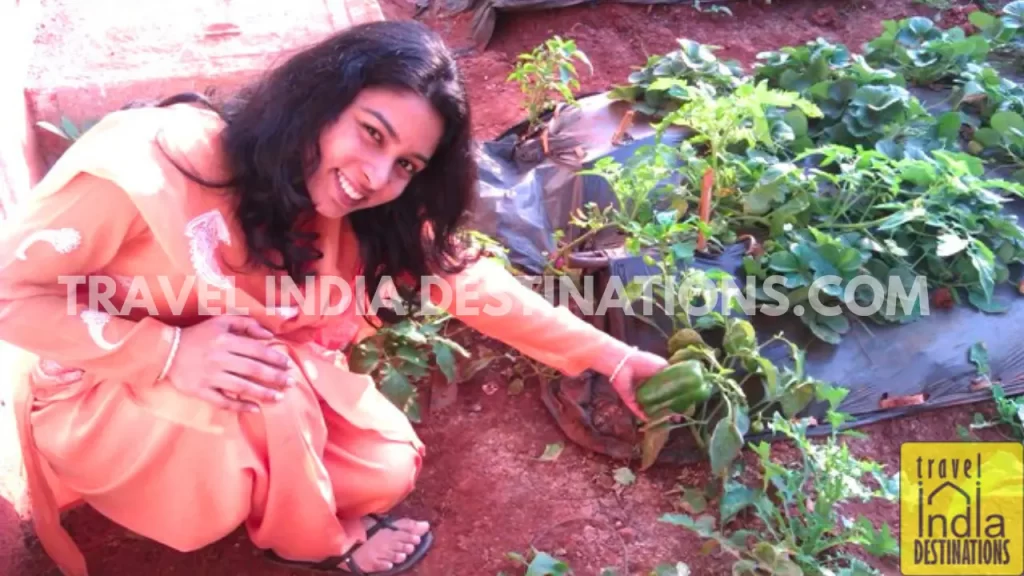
column 487, row 298
column 50, row 244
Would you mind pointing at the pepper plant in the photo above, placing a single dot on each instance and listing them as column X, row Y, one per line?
column 720, row 394
column 402, row 353
column 546, row 70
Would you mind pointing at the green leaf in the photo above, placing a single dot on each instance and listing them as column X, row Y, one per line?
column 984, row 262
column 544, row 564
column 902, row 217
column 552, row 452
column 797, row 120
column 364, row 359
column 784, row 262
column 982, row 20
column 1005, row 122
column 988, row 137
column 950, row 244
column 726, row 444
column 737, row 497
column 704, row 526
column 695, row 500
column 978, row 355
column 838, row 323
column 796, row 399
column 821, row 330
column 396, row 387
column 445, row 360
column 771, row 375
column 948, row 126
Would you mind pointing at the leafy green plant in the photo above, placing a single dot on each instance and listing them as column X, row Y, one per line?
column 399, row 354
column 801, row 529
column 937, row 218
column 1003, row 139
column 747, row 389
column 924, row 53
column 548, row 70
column 801, row 68
column 741, row 118
column 1006, row 31
column 861, row 105
column 1009, row 414
column 539, row 563
column 660, row 86
column 982, row 91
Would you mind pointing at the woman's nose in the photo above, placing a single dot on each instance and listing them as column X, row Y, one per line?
column 375, row 173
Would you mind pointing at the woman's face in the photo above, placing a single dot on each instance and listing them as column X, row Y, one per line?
column 370, row 153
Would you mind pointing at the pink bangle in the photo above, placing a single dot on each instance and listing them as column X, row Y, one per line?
column 622, row 363
column 170, row 356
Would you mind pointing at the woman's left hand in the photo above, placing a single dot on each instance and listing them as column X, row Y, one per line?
column 638, row 367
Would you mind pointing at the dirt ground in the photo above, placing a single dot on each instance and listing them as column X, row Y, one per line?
column 483, row 487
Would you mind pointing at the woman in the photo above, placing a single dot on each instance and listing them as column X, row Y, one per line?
column 181, row 422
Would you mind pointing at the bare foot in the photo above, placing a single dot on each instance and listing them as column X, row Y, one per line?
column 388, row 547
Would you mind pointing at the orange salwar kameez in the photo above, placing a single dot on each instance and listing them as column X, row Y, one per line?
column 98, row 422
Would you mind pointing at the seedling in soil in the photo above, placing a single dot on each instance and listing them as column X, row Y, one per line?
column 548, row 70
column 800, row 526
column 401, row 354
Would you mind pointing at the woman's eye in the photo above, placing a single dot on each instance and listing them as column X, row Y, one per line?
column 374, row 133
column 407, row 166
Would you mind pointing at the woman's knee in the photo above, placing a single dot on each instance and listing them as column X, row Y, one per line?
column 398, row 469
column 377, row 484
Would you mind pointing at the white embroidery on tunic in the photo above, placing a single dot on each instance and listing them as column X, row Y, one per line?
column 288, row 312
column 97, row 320
column 205, row 232
column 52, row 370
column 63, row 241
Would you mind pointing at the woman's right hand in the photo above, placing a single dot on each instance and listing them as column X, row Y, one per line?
column 226, row 361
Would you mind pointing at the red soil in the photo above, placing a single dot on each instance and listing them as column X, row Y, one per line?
column 483, row 487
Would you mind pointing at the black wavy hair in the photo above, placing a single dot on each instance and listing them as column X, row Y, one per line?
column 271, row 146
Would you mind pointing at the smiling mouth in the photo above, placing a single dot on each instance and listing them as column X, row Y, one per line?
column 348, row 195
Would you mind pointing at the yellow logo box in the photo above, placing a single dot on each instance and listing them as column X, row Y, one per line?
column 962, row 508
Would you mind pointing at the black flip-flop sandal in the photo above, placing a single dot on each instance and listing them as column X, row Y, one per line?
column 333, row 563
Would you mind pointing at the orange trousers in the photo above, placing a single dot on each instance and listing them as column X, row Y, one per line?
column 298, row 475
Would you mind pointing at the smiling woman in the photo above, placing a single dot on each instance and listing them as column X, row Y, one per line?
column 365, row 160
column 352, row 159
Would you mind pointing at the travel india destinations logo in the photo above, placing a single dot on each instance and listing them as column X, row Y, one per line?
column 962, row 508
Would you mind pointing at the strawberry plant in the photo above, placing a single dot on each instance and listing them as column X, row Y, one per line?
column 660, row 86
column 982, row 91
column 936, row 218
column 1003, row 139
column 801, row 68
column 1005, row 31
column 924, row 53
column 801, row 526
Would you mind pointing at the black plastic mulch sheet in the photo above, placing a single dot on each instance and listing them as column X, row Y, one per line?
column 923, row 364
